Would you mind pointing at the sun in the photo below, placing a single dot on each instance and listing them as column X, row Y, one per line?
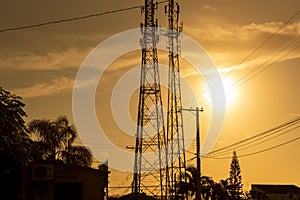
column 230, row 91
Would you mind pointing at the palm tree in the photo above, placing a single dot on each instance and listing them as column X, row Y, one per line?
column 207, row 187
column 54, row 142
column 220, row 190
column 189, row 187
column 191, row 175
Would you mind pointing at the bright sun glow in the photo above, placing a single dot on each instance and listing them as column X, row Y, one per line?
column 230, row 91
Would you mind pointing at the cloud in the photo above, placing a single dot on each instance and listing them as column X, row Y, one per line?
column 208, row 7
column 259, row 62
column 273, row 27
column 44, row 51
column 213, row 33
column 52, row 87
column 64, row 55
column 70, row 58
column 230, row 45
column 231, row 32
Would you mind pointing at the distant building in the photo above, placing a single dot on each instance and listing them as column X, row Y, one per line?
column 44, row 181
column 275, row 192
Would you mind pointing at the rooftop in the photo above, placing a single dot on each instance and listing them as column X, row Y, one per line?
column 276, row 189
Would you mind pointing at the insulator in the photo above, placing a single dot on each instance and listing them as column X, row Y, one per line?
column 177, row 8
column 142, row 28
column 180, row 29
column 142, row 9
column 142, row 44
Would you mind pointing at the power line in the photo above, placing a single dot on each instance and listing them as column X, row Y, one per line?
column 261, row 151
column 268, row 66
column 286, row 124
column 258, row 139
column 268, row 60
column 263, row 43
column 72, row 19
column 191, row 159
column 254, row 51
column 281, row 127
column 217, row 154
column 291, row 122
column 258, row 72
column 255, row 144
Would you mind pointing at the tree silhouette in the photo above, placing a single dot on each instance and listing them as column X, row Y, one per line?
column 207, row 187
column 189, row 186
column 207, row 184
column 54, row 142
column 14, row 141
column 220, row 191
column 77, row 155
column 15, row 144
column 235, row 186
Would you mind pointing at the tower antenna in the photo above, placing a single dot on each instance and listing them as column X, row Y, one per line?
column 151, row 142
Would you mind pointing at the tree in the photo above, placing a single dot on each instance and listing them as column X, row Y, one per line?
column 14, row 140
column 235, row 186
column 207, row 187
column 191, row 174
column 77, row 155
column 54, row 142
column 220, row 191
column 15, row 144
column 207, row 184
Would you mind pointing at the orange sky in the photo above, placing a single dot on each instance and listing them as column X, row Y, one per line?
column 40, row 64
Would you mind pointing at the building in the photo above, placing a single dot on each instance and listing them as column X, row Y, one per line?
column 141, row 196
column 275, row 192
column 60, row 182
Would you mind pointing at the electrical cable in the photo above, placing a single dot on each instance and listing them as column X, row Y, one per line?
column 268, row 60
column 293, row 121
column 229, row 151
column 268, row 66
column 261, row 151
column 254, row 51
column 72, row 18
column 263, row 43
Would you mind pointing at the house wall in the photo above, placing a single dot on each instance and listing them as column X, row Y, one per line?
column 284, row 197
column 275, row 192
column 65, row 181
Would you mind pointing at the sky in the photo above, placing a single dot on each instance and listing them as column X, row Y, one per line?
column 40, row 64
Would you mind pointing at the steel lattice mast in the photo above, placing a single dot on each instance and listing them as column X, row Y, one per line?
column 150, row 148
column 175, row 135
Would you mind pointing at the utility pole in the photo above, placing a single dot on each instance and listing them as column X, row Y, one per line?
column 198, row 159
column 150, row 148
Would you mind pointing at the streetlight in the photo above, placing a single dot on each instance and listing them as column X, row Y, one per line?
column 198, row 181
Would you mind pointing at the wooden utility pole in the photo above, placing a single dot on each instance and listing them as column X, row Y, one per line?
column 198, row 177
